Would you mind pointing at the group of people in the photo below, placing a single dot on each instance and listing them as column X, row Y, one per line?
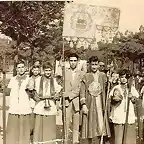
column 95, row 104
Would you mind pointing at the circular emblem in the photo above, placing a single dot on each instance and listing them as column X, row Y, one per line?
column 81, row 21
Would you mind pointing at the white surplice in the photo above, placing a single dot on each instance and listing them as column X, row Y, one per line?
column 118, row 112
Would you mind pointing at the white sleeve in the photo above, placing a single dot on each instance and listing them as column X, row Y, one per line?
column 134, row 92
column 30, row 84
column 11, row 83
column 111, row 92
column 57, row 86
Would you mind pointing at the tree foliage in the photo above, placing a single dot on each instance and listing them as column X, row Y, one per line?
column 35, row 26
column 127, row 47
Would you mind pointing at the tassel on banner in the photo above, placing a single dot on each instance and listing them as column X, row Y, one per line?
column 71, row 44
column 86, row 45
column 78, row 44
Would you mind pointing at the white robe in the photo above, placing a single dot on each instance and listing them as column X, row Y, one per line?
column 118, row 113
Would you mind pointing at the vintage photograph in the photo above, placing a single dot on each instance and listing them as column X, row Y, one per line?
column 72, row 72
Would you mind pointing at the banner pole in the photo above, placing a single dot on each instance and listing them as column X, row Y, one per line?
column 65, row 134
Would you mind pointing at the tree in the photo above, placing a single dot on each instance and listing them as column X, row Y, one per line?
column 36, row 24
column 127, row 47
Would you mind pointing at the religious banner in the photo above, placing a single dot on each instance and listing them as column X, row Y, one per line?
column 86, row 20
column 79, row 20
column 107, row 17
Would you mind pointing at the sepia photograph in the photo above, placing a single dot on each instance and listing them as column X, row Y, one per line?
column 72, row 72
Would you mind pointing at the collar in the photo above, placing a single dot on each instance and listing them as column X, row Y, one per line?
column 23, row 77
column 34, row 77
column 97, row 72
column 73, row 70
column 46, row 79
column 124, row 86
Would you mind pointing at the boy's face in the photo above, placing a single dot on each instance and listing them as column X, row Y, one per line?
column 47, row 72
column 21, row 69
column 123, row 79
column 115, row 77
column 36, row 71
column 94, row 66
column 73, row 61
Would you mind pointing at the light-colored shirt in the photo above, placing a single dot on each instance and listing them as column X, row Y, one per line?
column 73, row 74
column 19, row 99
column 118, row 112
column 39, row 108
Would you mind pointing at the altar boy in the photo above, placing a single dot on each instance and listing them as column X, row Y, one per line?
column 45, row 110
column 18, row 126
column 119, row 95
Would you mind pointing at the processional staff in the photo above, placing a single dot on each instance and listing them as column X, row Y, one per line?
column 63, row 98
column 130, row 83
column 106, row 108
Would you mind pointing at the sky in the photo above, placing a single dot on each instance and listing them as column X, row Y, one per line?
column 132, row 12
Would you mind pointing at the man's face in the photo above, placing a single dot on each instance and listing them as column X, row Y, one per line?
column 73, row 61
column 47, row 72
column 94, row 66
column 36, row 71
column 20, row 69
column 123, row 79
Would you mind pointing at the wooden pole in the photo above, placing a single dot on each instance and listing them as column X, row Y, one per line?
column 4, row 100
column 127, row 113
column 106, row 111
column 65, row 134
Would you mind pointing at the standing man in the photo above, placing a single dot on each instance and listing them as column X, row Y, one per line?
column 73, row 78
column 119, row 96
column 92, row 99
column 18, row 126
column 45, row 111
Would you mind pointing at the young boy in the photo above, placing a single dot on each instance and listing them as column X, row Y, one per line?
column 18, row 127
column 45, row 110
column 119, row 109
